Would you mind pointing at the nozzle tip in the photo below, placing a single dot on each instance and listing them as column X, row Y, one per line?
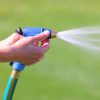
column 53, row 35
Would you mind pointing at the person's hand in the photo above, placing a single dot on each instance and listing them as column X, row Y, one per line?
column 25, row 49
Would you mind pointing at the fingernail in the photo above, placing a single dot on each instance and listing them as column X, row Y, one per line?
column 46, row 32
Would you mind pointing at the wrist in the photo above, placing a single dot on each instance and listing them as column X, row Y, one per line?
column 6, row 54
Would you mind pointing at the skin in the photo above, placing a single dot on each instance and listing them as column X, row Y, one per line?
column 24, row 49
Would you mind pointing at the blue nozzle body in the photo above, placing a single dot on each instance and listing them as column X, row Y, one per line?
column 30, row 31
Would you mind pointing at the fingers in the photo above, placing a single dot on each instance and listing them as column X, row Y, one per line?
column 45, row 45
column 43, row 48
column 33, row 61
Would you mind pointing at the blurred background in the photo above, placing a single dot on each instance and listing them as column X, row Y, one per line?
column 67, row 72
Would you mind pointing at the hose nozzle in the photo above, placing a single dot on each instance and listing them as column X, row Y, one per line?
column 53, row 34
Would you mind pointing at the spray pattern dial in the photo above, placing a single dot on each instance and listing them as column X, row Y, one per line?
column 29, row 31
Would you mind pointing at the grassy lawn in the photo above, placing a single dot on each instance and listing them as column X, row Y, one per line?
column 67, row 72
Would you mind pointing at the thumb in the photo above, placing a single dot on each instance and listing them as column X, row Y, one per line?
column 40, row 37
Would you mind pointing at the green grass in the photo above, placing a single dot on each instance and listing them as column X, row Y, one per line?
column 67, row 72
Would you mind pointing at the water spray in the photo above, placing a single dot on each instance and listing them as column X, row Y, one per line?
column 84, row 37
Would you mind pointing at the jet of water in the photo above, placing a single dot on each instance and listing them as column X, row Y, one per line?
column 88, row 37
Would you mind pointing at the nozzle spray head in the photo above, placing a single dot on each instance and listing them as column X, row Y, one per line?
column 32, row 31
